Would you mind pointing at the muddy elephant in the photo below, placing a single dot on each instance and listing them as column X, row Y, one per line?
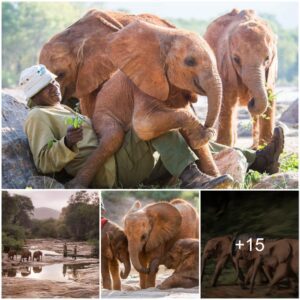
column 25, row 254
column 11, row 254
column 245, row 48
column 279, row 260
column 152, row 231
column 219, row 248
column 154, row 89
column 114, row 249
column 37, row 255
column 184, row 258
column 77, row 54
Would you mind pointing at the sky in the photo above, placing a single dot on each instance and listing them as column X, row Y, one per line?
column 286, row 12
column 51, row 199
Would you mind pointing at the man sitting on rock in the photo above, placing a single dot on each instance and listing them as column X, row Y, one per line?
column 56, row 146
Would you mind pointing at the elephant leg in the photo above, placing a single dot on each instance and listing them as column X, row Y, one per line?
column 219, row 267
column 111, row 138
column 206, row 162
column 114, row 270
column 175, row 280
column 87, row 104
column 280, row 273
column 143, row 276
column 152, row 118
column 106, row 280
column 266, row 124
column 227, row 122
column 255, row 132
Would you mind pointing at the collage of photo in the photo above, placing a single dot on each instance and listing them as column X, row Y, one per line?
column 150, row 149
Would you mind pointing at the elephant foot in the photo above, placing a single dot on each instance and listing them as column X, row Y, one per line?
column 197, row 140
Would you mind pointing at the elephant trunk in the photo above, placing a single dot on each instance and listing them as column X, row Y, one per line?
column 134, row 255
column 214, row 92
column 127, row 265
column 255, row 80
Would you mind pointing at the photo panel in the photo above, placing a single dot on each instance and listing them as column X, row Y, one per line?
column 50, row 244
column 150, row 244
column 249, row 244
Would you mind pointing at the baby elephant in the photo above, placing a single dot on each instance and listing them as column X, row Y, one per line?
column 11, row 254
column 25, row 254
column 184, row 258
column 37, row 255
column 114, row 248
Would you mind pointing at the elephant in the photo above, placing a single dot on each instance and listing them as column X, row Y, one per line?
column 155, row 93
column 37, row 269
column 25, row 271
column 153, row 230
column 37, row 255
column 246, row 53
column 184, row 258
column 25, row 254
column 219, row 248
column 11, row 254
column 68, row 54
column 114, row 248
column 279, row 259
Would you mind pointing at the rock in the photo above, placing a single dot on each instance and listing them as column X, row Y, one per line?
column 276, row 181
column 17, row 163
column 43, row 182
column 290, row 116
column 232, row 162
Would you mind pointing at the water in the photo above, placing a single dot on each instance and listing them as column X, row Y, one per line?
column 58, row 272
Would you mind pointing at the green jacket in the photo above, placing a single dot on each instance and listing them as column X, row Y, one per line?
column 46, row 128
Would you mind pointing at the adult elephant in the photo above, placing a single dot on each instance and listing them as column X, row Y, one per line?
column 245, row 48
column 37, row 255
column 156, row 92
column 25, row 254
column 219, row 248
column 77, row 54
column 152, row 232
column 278, row 259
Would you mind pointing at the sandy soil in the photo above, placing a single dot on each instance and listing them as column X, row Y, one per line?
column 85, row 285
column 131, row 289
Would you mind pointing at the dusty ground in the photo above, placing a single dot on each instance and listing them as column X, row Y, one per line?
column 234, row 291
column 131, row 289
column 85, row 285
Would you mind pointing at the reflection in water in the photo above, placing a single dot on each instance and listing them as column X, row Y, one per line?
column 57, row 272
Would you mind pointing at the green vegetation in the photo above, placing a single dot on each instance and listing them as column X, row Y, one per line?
column 289, row 162
column 26, row 26
column 78, row 221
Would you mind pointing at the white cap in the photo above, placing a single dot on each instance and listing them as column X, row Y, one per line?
column 34, row 79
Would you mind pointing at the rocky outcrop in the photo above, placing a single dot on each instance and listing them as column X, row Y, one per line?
column 290, row 116
column 277, row 181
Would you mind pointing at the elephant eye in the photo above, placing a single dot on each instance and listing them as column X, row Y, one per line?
column 190, row 61
column 60, row 75
column 237, row 60
column 143, row 237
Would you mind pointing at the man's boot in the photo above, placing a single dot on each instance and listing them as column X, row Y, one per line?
column 193, row 178
column 266, row 160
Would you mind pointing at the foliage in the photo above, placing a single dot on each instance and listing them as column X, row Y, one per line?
column 289, row 162
column 26, row 26
column 251, row 178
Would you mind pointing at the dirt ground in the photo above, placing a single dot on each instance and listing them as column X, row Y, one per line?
column 131, row 289
column 84, row 285
column 234, row 291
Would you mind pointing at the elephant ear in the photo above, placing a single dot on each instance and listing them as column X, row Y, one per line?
column 225, row 64
column 137, row 50
column 166, row 221
column 272, row 70
column 94, row 65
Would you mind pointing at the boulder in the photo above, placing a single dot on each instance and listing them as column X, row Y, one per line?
column 18, row 169
column 290, row 116
column 277, row 181
column 232, row 162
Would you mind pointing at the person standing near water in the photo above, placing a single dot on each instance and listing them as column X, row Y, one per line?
column 65, row 250
column 75, row 252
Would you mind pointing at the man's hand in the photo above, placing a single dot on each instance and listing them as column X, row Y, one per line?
column 73, row 136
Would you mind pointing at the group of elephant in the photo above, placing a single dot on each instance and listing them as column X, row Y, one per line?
column 141, row 72
column 279, row 260
column 25, row 255
column 25, row 271
column 164, row 233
